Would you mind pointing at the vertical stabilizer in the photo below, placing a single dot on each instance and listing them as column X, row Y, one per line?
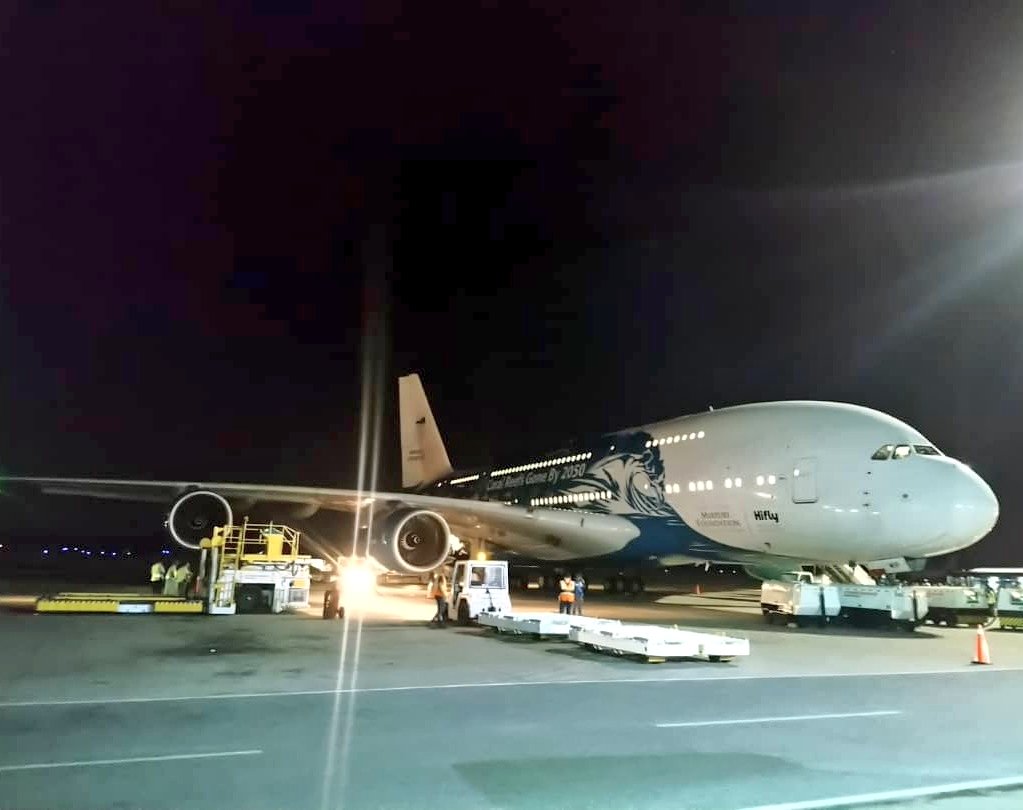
column 423, row 457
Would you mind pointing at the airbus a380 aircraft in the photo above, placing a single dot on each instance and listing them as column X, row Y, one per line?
column 768, row 486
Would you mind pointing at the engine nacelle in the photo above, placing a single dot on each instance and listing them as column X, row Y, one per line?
column 194, row 516
column 766, row 572
column 412, row 541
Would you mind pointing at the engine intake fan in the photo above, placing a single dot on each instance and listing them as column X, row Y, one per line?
column 194, row 516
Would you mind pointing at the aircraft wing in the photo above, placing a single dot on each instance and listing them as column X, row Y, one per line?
column 551, row 534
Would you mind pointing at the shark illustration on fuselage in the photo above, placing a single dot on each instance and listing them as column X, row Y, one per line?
column 768, row 486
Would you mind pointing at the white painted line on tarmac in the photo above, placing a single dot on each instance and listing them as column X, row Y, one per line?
column 362, row 690
column 787, row 719
column 895, row 795
column 87, row 763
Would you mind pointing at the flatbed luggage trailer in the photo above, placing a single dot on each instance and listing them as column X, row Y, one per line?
column 651, row 643
column 539, row 625
column 657, row 644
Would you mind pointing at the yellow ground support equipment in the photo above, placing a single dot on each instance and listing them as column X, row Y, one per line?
column 256, row 568
column 116, row 603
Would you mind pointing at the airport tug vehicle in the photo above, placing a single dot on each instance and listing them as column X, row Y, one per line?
column 478, row 588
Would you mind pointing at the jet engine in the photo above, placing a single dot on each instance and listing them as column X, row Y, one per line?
column 412, row 541
column 765, row 572
column 194, row 515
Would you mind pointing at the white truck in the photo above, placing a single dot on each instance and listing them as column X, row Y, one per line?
column 800, row 602
column 1010, row 607
column 478, row 586
column 957, row 604
column 808, row 602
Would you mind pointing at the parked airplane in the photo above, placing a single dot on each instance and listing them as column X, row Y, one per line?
column 767, row 486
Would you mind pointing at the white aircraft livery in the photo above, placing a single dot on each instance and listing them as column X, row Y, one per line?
column 768, row 486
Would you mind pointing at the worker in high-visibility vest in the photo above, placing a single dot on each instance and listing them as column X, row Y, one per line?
column 170, row 580
column 567, row 596
column 156, row 574
column 439, row 591
column 183, row 576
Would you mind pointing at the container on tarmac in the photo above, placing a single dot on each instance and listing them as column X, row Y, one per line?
column 816, row 603
column 801, row 602
column 882, row 604
column 956, row 604
column 1010, row 607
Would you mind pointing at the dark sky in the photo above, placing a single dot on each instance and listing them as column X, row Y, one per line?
column 586, row 216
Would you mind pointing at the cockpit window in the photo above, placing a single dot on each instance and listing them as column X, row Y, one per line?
column 901, row 451
column 926, row 450
column 884, row 452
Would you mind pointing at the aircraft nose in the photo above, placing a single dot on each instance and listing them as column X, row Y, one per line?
column 974, row 506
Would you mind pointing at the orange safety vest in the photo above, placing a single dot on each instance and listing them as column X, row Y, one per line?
column 437, row 590
column 567, row 591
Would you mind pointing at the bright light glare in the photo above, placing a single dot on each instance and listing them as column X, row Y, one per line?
column 357, row 583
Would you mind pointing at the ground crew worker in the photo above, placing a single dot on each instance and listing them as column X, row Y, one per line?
column 156, row 574
column 580, row 593
column 170, row 580
column 567, row 596
column 183, row 576
column 439, row 591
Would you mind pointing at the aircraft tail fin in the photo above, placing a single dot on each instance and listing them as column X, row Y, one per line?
column 423, row 456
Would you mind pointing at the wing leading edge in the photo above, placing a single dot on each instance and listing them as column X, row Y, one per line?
column 551, row 534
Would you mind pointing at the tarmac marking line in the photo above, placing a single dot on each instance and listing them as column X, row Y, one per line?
column 896, row 795
column 362, row 690
column 789, row 718
column 86, row 763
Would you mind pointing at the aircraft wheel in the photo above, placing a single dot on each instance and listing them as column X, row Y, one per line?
column 329, row 604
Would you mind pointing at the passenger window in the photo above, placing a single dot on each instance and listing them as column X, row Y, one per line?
column 883, row 453
column 926, row 450
column 901, row 451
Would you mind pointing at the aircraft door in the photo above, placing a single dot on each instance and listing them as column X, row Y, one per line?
column 804, row 481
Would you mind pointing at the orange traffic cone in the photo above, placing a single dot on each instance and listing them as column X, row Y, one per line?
column 981, row 653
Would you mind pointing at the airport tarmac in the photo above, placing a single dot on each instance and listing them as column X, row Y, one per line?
column 297, row 712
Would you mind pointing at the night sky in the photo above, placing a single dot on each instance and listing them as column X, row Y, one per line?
column 578, row 217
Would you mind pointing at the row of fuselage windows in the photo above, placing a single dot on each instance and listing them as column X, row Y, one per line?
column 571, row 498
column 669, row 489
column 539, row 465
column 678, row 437
column 729, row 483
column 899, row 451
column 466, row 480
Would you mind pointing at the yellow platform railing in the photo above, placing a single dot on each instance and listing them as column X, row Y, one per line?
column 259, row 542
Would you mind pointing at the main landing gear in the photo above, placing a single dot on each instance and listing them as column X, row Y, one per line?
column 624, row 584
